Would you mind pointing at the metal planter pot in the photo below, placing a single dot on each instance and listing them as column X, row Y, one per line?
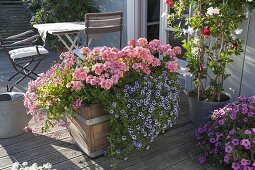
column 200, row 111
column 13, row 114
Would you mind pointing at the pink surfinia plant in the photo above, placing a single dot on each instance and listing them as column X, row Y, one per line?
column 230, row 138
column 65, row 87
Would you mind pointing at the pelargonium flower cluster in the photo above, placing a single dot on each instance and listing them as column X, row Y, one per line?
column 145, row 108
column 230, row 138
column 71, row 83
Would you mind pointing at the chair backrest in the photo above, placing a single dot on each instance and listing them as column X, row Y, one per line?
column 100, row 23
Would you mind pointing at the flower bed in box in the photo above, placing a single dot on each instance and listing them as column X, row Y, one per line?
column 230, row 138
column 138, row 90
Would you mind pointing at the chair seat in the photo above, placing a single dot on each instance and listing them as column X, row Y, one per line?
column 27, row 52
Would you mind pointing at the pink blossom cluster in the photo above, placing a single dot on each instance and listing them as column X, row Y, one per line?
column 230, row 137
column 102, row 68
column 142, row 54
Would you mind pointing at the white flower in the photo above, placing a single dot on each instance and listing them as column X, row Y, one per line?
column 15, row 166
column 196, row 40
column 47, row 166
column 238, row 31
column 249, row 0
column 165, row 15
column 211, row 11
column 190, row 31
column 194, row 51
column 24, row 164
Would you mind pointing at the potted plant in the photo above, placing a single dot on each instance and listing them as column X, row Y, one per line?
column 229, row 139
column 111, row 93
column 212, row 46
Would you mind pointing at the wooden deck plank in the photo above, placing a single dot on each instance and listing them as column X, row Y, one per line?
column 105, row 162
column 33, row 143
column 28, row 136
column 35, row 153
column 163, row 144
column 191, row 163
column 57, row 155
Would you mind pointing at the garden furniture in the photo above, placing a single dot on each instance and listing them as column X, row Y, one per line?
column 24, row 58
column 67, row 32
column 101, row 23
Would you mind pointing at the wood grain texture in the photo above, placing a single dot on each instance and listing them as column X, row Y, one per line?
column 174, row 150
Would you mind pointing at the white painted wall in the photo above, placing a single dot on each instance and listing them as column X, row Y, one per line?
column 248, row 58
column 112, row 39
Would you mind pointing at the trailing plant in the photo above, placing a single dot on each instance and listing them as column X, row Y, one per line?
column 229, row 139
column 138, row 90
column 213, row 43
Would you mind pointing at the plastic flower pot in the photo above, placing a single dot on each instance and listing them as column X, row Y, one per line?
column 200, row 111
column 13, row 115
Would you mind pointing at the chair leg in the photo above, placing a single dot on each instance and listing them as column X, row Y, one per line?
column 23, row 70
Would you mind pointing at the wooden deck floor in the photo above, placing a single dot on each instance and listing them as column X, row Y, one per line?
column 173, row 150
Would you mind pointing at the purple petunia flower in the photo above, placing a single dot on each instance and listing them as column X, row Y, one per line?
column 251, row 99
column 233, row 116
column 242, row 98
column 245, row 162
column 244, row 109
column 245, row 119
column 246, row 143
column 235, row 166
column 247, row 132
column 231, row 132
column 221, row 122
column 228, row 149
column 212, row 140
column 226, row 158
column 202, row 159
column 200, row 130
column 250, row 114
column 235, row 142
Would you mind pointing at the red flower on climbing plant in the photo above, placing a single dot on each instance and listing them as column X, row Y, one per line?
column 234, row 44
column 206, row 31
column 170, row 3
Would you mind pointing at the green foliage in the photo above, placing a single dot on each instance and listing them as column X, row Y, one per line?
column 141, row 107
column 50, row 11
column 212, row 44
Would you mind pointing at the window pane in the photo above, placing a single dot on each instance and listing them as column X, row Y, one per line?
column 153, row 13
column 152, row 32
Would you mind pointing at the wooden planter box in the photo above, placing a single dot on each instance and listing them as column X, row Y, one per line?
column 89, row 128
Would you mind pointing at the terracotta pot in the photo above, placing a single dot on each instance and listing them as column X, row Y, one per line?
column 200, row 111
column 89, row 128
